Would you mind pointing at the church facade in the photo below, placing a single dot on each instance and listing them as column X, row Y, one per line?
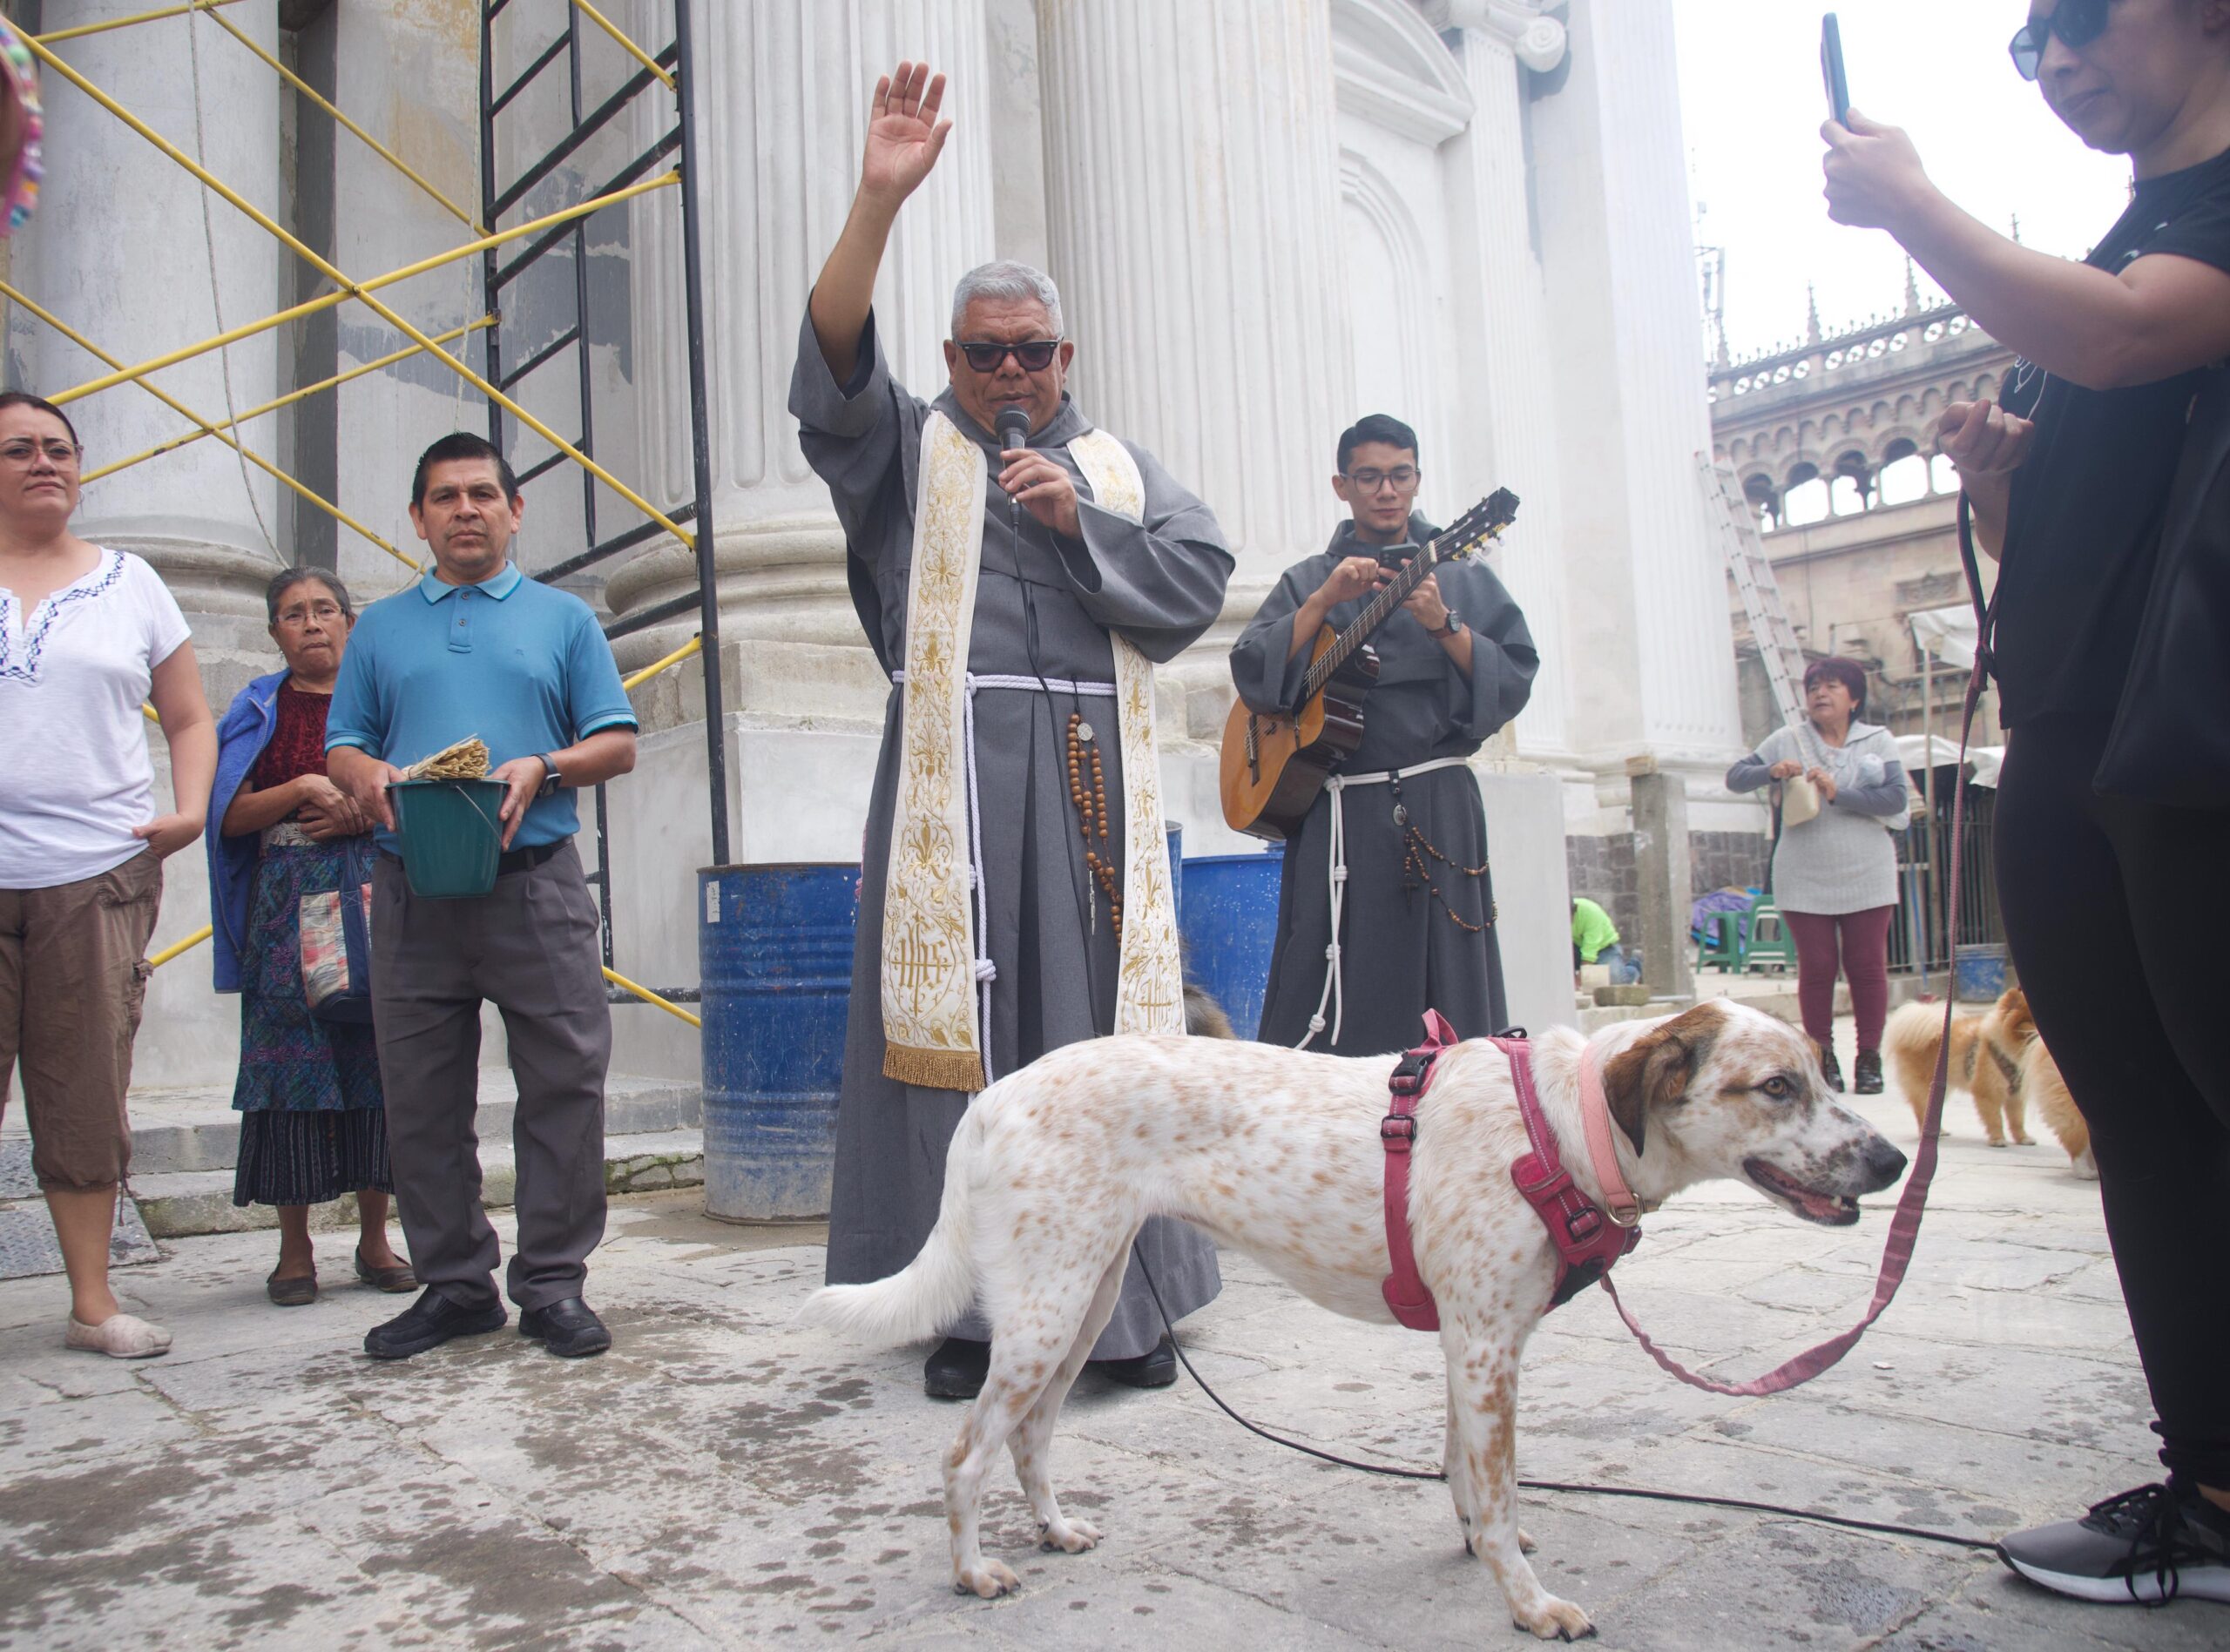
column 1266, row 217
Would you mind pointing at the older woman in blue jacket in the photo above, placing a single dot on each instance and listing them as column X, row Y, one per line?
column 313, row 1117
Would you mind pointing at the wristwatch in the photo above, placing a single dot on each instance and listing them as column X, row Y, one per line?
column 1454, row 626
column 551, row 778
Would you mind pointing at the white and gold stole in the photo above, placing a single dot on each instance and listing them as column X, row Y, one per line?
column 931, row 973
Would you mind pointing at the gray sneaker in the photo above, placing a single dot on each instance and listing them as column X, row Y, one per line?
column 2149, row 1546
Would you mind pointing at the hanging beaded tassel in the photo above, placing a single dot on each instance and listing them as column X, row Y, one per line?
column 1418, row 850
column 1088, row 791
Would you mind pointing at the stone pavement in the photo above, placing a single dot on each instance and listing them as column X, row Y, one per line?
column 723, row 1479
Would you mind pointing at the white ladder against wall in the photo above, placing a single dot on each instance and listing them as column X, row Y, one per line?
column 1736, row 523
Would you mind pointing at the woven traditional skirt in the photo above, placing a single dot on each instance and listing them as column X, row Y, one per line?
column 314, row 1120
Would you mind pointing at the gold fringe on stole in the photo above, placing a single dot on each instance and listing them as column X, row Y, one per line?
column 960, row 1069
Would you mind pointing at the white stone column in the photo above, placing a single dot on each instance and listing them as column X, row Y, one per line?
column 1504, row 360
column 1193, row 204
column 117, row 251
column 1649, row 633
column 783, row 108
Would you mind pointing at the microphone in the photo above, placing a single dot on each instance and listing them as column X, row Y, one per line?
column 1013, row 429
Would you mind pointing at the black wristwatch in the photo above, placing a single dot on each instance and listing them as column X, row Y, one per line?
column 551, row 778
column 1454, row 626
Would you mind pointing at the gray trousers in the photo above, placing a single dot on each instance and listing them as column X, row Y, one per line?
column 528, row 947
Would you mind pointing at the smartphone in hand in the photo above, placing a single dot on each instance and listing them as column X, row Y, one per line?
column 1831, row 70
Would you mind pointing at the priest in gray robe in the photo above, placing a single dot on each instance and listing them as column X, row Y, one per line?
column 1059, row 577
column 1416, row 927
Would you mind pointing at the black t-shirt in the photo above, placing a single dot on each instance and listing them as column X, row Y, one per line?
column 2083, row 530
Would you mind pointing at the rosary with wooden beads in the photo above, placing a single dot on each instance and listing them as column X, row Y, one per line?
column 1418, row 853
column 1092, row 817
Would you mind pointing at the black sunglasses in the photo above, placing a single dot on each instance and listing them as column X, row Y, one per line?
column 1035, row 356
column 2077, row 22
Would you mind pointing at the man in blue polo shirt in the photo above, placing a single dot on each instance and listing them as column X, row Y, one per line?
column 477, row 648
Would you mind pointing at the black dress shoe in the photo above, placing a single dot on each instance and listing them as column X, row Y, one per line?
column 1830, row 1069
column 568, row 1329
column 957, row 1370
column 1155, row 1368
column 1866, row 1075
column 429, row 1323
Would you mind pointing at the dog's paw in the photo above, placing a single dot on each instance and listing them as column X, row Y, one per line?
column 2027, row 1140
column 1999, row 1141
column 988, row 1580
column 1526, row 1544
column 1556, row 1619
column 1070, row 1536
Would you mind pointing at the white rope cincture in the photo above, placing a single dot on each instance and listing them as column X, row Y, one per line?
column 1334, row 994
column 987, row 971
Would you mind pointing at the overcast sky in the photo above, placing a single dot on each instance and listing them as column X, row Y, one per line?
column 1752, row 103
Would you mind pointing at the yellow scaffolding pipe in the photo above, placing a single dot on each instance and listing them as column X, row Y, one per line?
column 332, row 273
column 327, row 300
column 695, row 645
column 185, row 412
column 178, row 947
column 626, row 44
column 315, row 97
column 85, row 29
column 650, row 997
column 338, row 379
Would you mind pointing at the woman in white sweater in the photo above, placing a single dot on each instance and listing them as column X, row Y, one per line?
column 1835, row 874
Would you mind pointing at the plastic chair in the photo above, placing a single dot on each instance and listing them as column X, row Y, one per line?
column 1770, row 945
column 1723, row 944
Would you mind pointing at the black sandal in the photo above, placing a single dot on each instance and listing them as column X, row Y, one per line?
column 295, row 1290
column 388, row 1280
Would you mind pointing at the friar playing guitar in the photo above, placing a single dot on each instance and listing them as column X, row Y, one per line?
column 1275, row 763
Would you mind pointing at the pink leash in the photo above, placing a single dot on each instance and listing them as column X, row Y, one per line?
column 1904, row 1227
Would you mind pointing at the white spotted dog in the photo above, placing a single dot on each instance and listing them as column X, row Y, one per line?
column 1276, row 1152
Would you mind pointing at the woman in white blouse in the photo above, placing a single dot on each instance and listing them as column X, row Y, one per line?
column 87, row 636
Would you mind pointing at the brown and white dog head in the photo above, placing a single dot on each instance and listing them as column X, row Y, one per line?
column 1725, row 1090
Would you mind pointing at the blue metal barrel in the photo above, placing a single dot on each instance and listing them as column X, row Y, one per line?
column 1979, row 972
column 774, row 947
column 1229, row 917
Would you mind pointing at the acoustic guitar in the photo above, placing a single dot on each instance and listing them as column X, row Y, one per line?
column 1274, row 763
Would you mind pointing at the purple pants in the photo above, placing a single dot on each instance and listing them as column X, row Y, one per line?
column 1865, row 963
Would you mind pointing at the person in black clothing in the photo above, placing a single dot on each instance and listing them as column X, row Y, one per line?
column 2068, row 479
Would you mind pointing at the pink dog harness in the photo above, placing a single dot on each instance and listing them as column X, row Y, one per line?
column 1587, row 1240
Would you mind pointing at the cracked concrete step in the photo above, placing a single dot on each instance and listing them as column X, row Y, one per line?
column 194, row 1128
column 178, row 1204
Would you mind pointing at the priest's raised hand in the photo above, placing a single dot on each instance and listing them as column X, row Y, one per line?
column 904, row 140
column 904, row 135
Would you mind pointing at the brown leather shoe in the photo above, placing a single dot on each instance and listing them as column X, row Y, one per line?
column 296, row 1291
column 390, row 1280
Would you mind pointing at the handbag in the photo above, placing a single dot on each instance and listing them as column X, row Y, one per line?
column 1800, row 793
column 2170, row 744
column 1799, row 800
column 336, row 949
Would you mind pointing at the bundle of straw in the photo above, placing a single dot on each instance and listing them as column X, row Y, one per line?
column 466, row 760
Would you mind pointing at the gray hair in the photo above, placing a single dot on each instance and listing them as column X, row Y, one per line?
column 287, row 578
column 1006, row 278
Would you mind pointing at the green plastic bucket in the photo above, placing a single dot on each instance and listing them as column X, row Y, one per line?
column 452, row 835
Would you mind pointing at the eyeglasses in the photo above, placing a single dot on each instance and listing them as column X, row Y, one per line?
column 1404, row 477
column 61, row 454
column 326, row 613
column 1036, row 355
column 2077, row 22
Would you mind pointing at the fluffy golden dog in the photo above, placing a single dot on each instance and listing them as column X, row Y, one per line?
column 1986, row 1052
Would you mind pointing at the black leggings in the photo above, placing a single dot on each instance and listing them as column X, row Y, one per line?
column 2110, row 907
